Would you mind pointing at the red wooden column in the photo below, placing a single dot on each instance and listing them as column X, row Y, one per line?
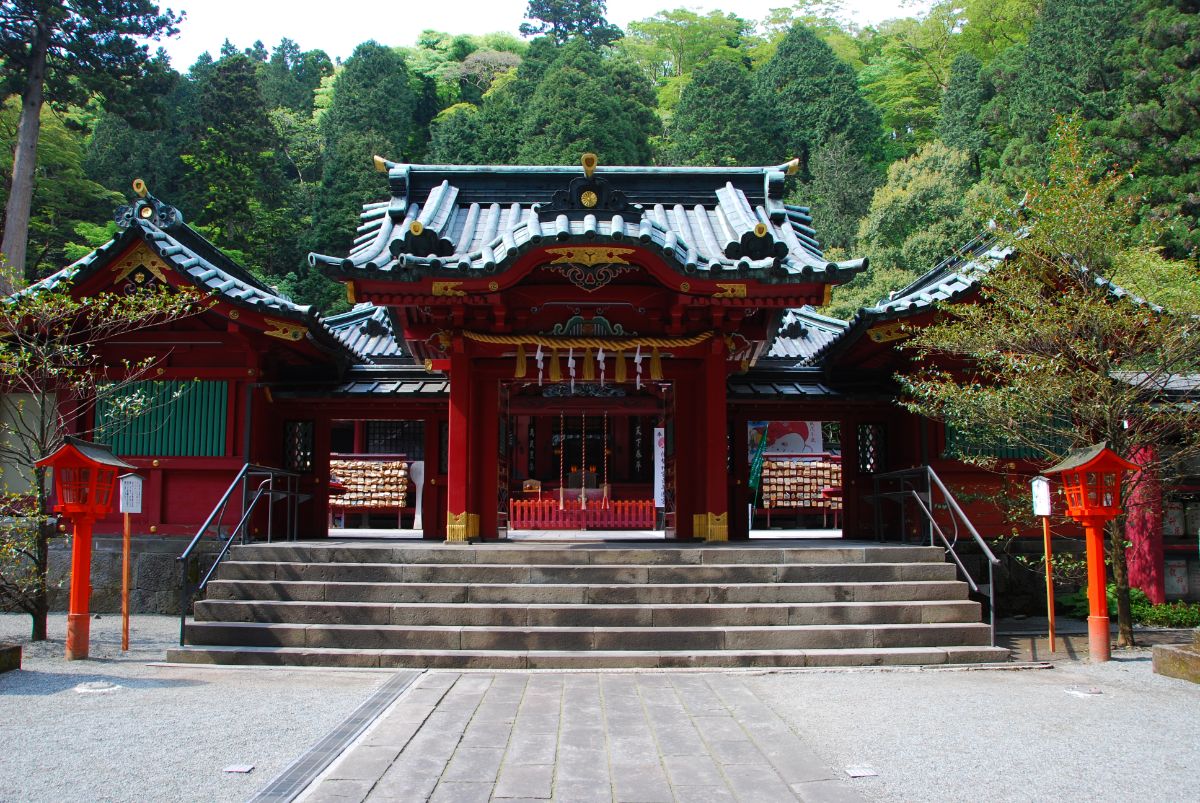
column 484, row 450
column 1143, row 528
column 458, row 519
column 715, row 484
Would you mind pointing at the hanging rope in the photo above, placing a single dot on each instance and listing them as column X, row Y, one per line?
column 609, row 343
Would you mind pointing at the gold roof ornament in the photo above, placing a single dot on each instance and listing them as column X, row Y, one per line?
column 589, row 162
column 381, row 164
column 139, row 187
column 792, row 167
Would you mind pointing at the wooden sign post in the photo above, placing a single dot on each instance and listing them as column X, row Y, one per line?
column 131, row 502
column 1041, row 507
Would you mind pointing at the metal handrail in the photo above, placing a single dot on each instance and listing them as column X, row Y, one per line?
column 266, row 487
column 925, row 504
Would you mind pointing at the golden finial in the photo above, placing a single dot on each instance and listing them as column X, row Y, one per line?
column 139, row 187
column 760, row 230
column 381, row 164
column 416, row 227
column 589, row 162
column 792, row 167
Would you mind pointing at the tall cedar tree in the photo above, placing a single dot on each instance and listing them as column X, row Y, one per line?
column 959, row 124
column 1071, row 66
column 371, row 113
column 1050, row 358
column 1158, row 126
column 63, row 52
column 291, row 76
column 566, row 19
column 717, row 122
column 840, row 192
column 234, row 163
column 812, row 95
column 586, row 104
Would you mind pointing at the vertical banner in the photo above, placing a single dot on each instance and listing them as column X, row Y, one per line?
column 660, row 465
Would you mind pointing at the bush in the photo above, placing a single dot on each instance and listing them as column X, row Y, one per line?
column 1169, row 614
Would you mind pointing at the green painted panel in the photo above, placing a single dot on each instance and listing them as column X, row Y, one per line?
column 180, row 419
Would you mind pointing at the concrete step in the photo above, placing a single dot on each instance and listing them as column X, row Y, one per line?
column 600, row 574
column 577, row 554
column 586, row 615
column 446, row 638
column 606, row 659
column 607, row 594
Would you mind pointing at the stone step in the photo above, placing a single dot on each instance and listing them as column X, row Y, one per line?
column 599, row 659
column 607, row 594
column 586, row 615
column 575, row 554
column 444, row 638
column 600, row 574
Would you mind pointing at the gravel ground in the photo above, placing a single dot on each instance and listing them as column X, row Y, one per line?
column 165, row 733
column 1002, row 735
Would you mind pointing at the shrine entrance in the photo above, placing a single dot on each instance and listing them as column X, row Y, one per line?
column 586, row 457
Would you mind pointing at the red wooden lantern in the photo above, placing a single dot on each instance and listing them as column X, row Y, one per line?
column 1091, row 480
column 85, row 476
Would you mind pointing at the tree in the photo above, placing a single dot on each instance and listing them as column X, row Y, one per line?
column 716, row 122
column 291, row 76
column 455, row 136
column 1158, row 124
column 51, row 364
column 565, row 19
column 959, row 124
column 61, row 52
column 839, row 194
column 585, row 104
column 813, row 95
column 1052, row 358
column 371, row 112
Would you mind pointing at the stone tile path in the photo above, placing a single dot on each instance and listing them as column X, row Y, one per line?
column 641, row 737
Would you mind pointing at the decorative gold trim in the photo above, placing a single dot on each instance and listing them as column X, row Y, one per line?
column 428, row 364
column 792, row 167
column 718, row 526
column 700, row 525
column 447, row 288
column 462, row 527
column 730, row 290
column 589, row 162
column 589, row 198
column 590, row 255
column 493, row 286
column 825, row 299
column 350, row 292
column 140, row 257
column 284, row 330
column 380, row 164
column 760, row 230
column 139, row 187
column 888, row 332
column 416, row 227
column 685, row 287
column 234, row 314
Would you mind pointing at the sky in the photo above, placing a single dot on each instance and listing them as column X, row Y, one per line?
column 337, row 26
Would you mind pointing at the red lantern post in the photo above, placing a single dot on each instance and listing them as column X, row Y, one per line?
column 85, row 476
column 1091, row 480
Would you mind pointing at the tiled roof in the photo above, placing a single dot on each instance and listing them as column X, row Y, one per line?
column 367, row 331
column 161, row 227
column 802, row 333
column 723, row 222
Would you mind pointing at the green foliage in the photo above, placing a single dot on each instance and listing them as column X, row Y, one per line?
column 585, row 104
column 959, row 121
column 812, row 95
column 1158, row 125
column 1177, row 614
column 839, row 193
column 716, row 121
column 673, row 44
column 371, row 112
column 291, row 77
column 562, row 20
column 455, row 136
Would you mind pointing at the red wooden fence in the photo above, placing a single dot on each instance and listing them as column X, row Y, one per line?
column 545, row 514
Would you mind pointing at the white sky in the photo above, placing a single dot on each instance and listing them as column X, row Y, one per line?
column 337, row 26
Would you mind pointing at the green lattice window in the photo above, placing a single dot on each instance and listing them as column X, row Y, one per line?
column 180, row 419
column 964, row 443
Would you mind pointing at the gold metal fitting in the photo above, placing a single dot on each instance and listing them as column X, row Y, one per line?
column 380, row 164
column 416, row 227
column 760, row 230
column 589, row 162
column 139, row 187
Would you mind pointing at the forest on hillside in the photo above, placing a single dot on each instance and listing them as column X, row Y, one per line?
column 907, row 132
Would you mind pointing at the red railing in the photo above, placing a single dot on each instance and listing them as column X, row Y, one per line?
column 546, row 514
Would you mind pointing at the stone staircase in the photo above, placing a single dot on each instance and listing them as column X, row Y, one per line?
column 597, row 605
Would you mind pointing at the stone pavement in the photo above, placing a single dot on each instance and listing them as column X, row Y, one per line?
column 579, row 737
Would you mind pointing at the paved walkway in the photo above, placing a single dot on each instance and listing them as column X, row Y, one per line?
column 580, row 737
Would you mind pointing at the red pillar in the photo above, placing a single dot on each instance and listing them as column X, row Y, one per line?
column 78, row 623
column 483, row 501
column 1099, row 648
column 715, row 457
column 1144, row 530
column 458, row 519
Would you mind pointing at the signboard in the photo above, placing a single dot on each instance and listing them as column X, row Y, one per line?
column 1041, row 496
column 786, row 437
column 131, row 493
column 660, row 465
column 1176, row 578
